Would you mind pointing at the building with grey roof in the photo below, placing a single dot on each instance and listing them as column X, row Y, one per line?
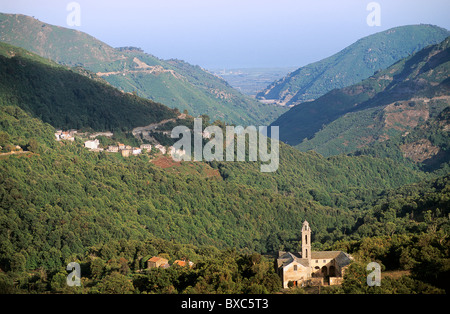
column 311, row 267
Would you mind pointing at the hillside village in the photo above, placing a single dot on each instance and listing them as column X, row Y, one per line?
column 93, row 199
column 93, row 144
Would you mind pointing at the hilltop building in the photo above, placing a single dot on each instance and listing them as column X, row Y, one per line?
column 311, row 267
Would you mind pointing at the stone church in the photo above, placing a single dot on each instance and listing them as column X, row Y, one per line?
column 311, row 267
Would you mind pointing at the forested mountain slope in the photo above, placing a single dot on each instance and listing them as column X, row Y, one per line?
column 60, row 202
column 174, row 83
column 66, row 99
column 427, row 145
column 391, row 102
column 71, row 182
column 352, row 64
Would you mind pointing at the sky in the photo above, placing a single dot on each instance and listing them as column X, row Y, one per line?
column 216, row 34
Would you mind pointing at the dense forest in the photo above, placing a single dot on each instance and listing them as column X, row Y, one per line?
column 67, row 99
column 60, row 203
column 174, row 83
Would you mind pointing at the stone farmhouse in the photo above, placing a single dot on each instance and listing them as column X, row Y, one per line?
column 157, row 261
column 160, row 262
column 311, row 267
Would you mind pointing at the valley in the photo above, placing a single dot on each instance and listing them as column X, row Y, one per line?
column 86, row 174
column 251, row 81
column 391, row 102
column 175, row 83
column 351, row 65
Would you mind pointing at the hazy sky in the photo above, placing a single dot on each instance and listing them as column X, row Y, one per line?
column 234, row 33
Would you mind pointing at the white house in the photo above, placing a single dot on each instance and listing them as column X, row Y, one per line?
column 136, row 151
column 148, row 147
column 92, row 144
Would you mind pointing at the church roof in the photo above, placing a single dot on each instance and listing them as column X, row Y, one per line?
column 342, row 258
column 324, row 254
column 285, row 258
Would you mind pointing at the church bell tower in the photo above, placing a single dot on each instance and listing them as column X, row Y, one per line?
column 306, row 241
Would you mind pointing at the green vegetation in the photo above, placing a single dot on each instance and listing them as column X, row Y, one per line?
column 66, row 99
column 173, row 83
column 133, row 198
column 353, row 64
column 433, row 132
column 60, row 202
column 120, row 267
column 337, row 181
column 387, row 104
column 407, row 229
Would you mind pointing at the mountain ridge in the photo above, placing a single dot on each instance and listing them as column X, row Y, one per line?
column 390, row 102
column 352, row 64
column 192, row 88
column 60, row 202
column 67, row 99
